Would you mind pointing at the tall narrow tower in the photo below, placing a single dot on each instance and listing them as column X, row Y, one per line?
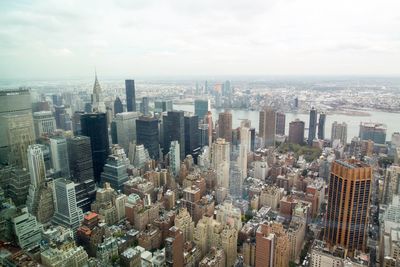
column 97, row 104
column 312, row 126
column 130, row 95
column 348, row 204
column 267, row 126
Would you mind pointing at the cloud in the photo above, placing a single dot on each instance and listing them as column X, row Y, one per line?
column 189, row 37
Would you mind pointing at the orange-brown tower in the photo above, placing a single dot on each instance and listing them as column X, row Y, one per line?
column 348, row 204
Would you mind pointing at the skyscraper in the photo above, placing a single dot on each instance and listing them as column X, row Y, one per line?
column 296, row 132
column 375, row 132
column 221, row 161
column 312, row 126
column 81, row 170
column 162, row 106
column 67, row 212
column 59, row 156
column 201, row 107
column 130, row 95
column 144, row 108
column 126, row 128
column 147, row 134
column 280, row 123
column 40, row 198
column 225, row 126
column 267, row 126
column 20, row 135
column 244, row 149
column 12, row 102
column 114, row 172
column 174, row 130
column 174, row 157
column 44, row 123
column 348, row 205
column 321, row 126
column 118, row 107
column 94, row 125
column 191, row 135
column 339, row 132
column 60, row 116
column 97, row 100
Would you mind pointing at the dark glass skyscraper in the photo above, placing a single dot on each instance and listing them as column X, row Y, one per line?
column 312, row 126
column 81, row 170
column 94, row 125
column 147, row 134
column 130, row 95
column 118, row 107
column 280, row 123
column 174, row 130
column 191, row 135
column 201, row 108
column 321, row 126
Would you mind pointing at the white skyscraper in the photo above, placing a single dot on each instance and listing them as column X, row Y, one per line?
column 40, row 197
column 59, row 156
column 220, row 161
column 244, row 149
column 66, row 211
column 174, row 157
column 44, row 122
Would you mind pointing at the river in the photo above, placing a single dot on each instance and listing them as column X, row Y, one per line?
column 392, row 120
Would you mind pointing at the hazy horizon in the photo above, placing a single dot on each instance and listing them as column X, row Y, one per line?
column 154, row 38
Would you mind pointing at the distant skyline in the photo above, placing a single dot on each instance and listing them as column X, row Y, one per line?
column 53, row 39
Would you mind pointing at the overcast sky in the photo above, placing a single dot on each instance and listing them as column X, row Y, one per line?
column 52, row 38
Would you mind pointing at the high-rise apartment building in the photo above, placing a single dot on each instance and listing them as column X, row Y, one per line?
column 59, row 156
column 280, row 123
column 44, row 123
column 130, row 95
column 221, row 161
column 321, row 126
column 201, row 107
column 147, row 134
column 27, row 230
column 375, row 132
column 94, row 125
column 174, row 248
column 126, row 128
column 267, row 126
column 12, row 102
column 272, row 246
column 67, row 212
column 174, row 130
column 184, row 221
column 312, row 126
column 339, row 132
column 225, row 126
column 296, row 132
column 348, row 204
